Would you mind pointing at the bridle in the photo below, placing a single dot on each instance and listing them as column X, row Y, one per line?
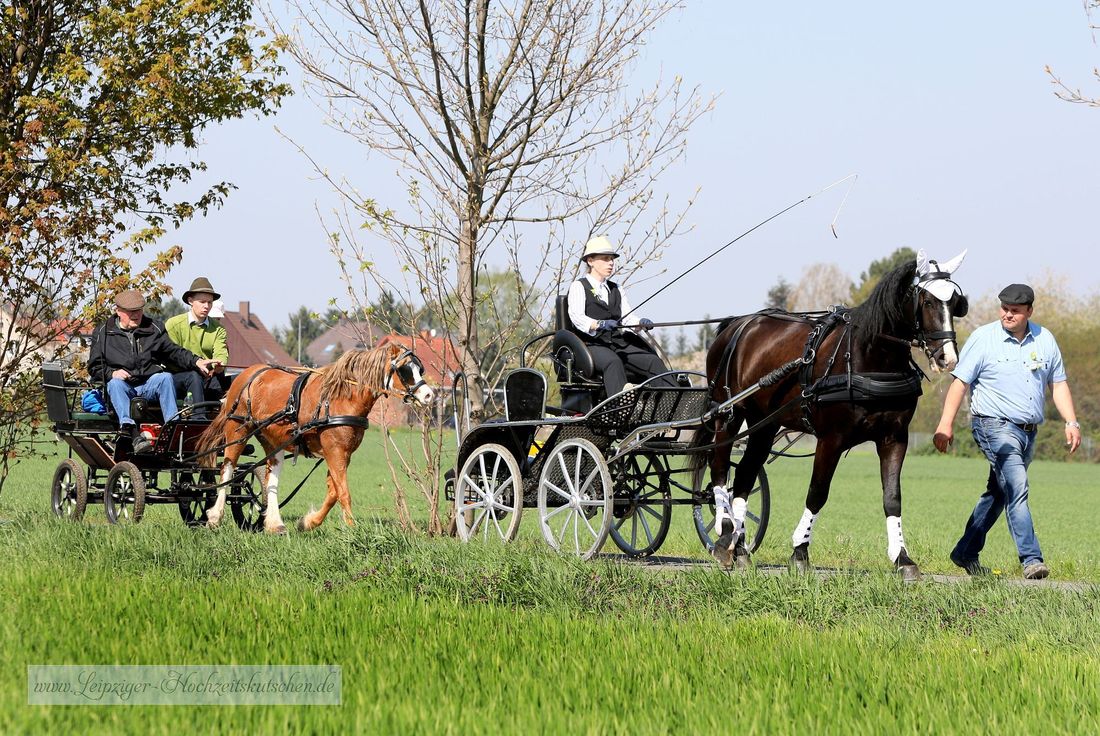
column 921, row 336
column 400, row 362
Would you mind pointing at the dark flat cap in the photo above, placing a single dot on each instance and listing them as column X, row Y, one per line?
column 201, row 285
column 1017, row 294
column 130, row 299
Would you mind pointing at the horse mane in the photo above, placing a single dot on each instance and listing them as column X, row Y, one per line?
column 886, row 308
column 354, row 371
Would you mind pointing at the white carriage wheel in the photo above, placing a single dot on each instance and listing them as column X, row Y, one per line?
column 575, row 498
column 489, row 495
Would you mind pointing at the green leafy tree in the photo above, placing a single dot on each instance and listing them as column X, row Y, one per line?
column 780, row 295
column 879, row 268
column 305, row 326
column 101, row 108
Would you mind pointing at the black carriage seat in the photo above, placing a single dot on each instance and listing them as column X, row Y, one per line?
column 581, row 385
column 63, row 402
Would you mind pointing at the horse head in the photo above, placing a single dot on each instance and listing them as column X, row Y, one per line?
column 938, row 301
column 405, row 374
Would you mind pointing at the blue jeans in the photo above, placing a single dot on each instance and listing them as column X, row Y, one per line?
column 158, row 386
column 1009, row 450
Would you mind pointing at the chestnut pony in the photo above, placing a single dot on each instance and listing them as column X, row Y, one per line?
column 327, row 419
column 848, row 378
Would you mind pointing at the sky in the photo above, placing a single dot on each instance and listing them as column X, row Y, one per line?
column 943, row 109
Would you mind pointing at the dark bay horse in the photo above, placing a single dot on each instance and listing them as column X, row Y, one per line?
column 327, row 416
column 848, row 378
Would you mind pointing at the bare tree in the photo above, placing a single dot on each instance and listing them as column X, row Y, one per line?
column 516, row 136
column 1073, row 94
column 821, row 286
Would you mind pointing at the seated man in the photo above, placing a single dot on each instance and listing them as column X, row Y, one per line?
column 596, row 309
column 126, row 354
column 198, row 332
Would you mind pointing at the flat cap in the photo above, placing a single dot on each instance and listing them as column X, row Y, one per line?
column 1017, row 294
column 130, row 299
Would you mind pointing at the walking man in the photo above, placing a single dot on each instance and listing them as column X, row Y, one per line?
column 1006, row 365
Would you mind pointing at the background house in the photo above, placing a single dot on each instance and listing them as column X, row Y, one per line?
column 250, row 342
column 345, row 335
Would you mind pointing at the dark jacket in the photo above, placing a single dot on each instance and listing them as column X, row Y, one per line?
column 142, row 351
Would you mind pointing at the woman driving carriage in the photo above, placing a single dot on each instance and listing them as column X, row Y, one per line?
column 596, row 309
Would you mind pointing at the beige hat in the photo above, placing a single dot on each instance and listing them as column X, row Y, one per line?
column 130, row 300
column 600, row 245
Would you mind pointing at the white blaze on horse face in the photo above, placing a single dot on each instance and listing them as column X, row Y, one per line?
column 895, row 542
column 423, row 394
column 949, row 358
column 804, row 532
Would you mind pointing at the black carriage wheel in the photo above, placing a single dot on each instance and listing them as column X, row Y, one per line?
column 124, row 496
column 248, row 512
column 643, row 504
column 69, row 493
column 757, row 514
column 193, row 508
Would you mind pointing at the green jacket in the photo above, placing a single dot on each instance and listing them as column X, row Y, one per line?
column 204, row 341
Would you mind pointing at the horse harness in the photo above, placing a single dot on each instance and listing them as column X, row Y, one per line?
column 294, row 401
column 849, row 387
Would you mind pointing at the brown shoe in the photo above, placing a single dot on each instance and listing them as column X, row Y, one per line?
column 1036, row 571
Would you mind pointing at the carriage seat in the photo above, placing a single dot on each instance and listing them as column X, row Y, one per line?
column 580, row 382
column 62, row 401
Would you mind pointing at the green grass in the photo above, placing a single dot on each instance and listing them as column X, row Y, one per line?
column 435, row 636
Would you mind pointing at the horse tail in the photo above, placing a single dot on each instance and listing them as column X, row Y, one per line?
column 211, row 440
column 700, row 458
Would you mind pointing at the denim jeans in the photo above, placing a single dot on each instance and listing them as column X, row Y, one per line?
column 158, row 386
column 1009, row 450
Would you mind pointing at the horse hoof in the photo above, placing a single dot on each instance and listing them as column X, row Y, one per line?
column 909, row 573
column 302, row 527
column 742, row 559
column 800, row 561
column 723, row 551
column 212, row 523
column 279, row 530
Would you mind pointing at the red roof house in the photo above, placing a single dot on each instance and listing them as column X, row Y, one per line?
column 249, row 342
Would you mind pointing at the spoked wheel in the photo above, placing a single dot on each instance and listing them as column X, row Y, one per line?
column 193, row 508
column 124, row 495
column 756, row 516
column 69, row 494
column 575, row 498
column 489, row 495
column 249, row 511
column 643, row 504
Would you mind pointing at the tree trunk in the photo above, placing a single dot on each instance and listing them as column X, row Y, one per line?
column 467, row 315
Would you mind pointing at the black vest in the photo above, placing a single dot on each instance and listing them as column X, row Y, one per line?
column 597, row 310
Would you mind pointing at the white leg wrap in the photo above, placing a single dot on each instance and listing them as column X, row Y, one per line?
column 805, row 529
column 722, row 510
column 273, row 519
column 894, row 540
column 738, row 507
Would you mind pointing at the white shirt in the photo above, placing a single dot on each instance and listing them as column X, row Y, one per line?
column 577, row 315
column 191, row 320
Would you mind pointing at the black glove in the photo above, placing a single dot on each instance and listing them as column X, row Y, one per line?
column 645, row 323
column 606, row 325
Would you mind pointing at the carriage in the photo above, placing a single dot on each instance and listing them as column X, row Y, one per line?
column 100, row 468
column 593, row 467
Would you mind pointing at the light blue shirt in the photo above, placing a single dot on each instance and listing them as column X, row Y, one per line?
column 1008, row 377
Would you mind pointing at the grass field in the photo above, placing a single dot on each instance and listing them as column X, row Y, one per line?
column 434, row 636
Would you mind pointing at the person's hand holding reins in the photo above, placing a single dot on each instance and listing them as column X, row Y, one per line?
column 606, row 325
